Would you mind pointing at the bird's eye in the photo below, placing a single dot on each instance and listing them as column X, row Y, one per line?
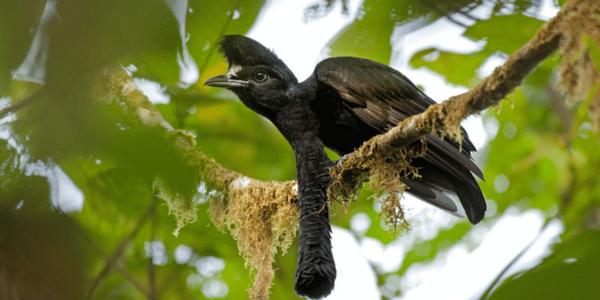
column 261, row 77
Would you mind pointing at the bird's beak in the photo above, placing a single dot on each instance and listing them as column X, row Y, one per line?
column 225, row 81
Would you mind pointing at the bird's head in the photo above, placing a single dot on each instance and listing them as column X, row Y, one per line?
column 256, row 75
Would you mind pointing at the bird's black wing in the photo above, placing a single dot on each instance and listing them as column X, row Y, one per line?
column 381, row 97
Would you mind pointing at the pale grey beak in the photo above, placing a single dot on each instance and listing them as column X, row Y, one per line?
column 225, row 81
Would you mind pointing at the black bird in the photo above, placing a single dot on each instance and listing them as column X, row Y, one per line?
column 345, row 102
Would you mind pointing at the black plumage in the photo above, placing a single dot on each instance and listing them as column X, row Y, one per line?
column 345, row 102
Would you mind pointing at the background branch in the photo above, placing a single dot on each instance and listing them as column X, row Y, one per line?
column 13, row 107
column 152, row 292
column 113, row 260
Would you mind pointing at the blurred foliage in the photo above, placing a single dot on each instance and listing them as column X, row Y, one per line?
column 574, row 263
column 378, row 22
column 542, row 153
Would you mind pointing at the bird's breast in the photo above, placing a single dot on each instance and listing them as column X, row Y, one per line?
column 297, row 122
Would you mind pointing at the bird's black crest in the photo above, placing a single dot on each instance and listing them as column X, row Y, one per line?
column 244, row 51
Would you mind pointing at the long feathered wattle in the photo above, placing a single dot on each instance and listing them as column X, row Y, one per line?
column 316, row 272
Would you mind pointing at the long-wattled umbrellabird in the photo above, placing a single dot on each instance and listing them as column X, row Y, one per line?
column 345, row 102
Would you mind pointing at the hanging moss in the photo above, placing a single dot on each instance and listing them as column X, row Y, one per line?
column 578, row 73
column 263, row 218
column 180, row 206
column 385, row 171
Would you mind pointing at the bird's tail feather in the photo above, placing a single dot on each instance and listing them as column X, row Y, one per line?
column 435, row 178
column 316, row 271
column 471, row 198
column 431, row 195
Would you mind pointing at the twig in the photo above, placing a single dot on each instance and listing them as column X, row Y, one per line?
column 492, row 286
column 138, row 285
column 223, row 30
column 562, row 110
column 566, row 197
column 114, row 258
column 20, row 103
column 448, row 14
column 174, row 274
column 152, row 294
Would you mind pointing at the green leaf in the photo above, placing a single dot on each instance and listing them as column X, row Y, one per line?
column 18, row 20
column 505, row 33
column 208, row 20
column 461, row 68
column 574, row 264
column 594, row 51
column 242, row 140
column 457, row 68
column 369, row 35
column 534, row 177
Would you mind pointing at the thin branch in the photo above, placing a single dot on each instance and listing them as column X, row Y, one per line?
column 119, row 85
column 170, row 278
column 223, row 31
column 562, row 110
column 138, row 285
column 448, row 15
column 448, row 10
column 152, row 294
column 566, row 195
column 486, row 294
column 13, row 107
column 112, row 261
